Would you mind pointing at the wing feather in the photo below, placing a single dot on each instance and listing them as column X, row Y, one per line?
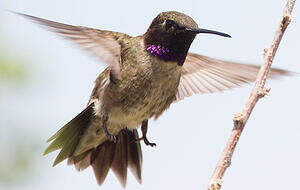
column 103, row 44
column 202, row 74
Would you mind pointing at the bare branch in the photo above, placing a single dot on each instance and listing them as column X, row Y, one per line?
column 258, row 92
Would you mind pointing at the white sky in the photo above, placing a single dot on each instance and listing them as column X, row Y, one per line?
column 191, row 135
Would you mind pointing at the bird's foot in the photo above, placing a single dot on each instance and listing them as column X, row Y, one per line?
column 111, row 137
column 145, row 139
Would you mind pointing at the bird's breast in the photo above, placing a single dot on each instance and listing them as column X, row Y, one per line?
column 149, row 93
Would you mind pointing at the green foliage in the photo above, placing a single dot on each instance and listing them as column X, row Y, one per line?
column 18, row 154
column 18, row 159
column 11, row 69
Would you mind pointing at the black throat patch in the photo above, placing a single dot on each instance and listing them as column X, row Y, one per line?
column 169, row 48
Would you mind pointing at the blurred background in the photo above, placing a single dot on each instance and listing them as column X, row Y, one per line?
column 45, row 81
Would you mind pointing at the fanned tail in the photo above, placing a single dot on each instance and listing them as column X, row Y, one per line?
column 126, row 152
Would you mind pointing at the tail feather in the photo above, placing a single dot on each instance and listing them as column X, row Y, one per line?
column 67, row 149
column 135, row 156
column 68, row 137
column 120, row 160
column 84, row 115
column 81, row 161
column 84, row 163
column 101, row 160
column 117, row 156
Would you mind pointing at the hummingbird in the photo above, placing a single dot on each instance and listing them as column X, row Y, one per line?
column 144, row 76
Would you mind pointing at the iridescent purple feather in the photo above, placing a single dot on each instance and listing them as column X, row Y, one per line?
column 160, row 52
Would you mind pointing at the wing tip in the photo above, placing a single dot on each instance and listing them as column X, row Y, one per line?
column 276, row 73
column 19, row 14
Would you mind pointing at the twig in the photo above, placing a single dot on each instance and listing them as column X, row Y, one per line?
column 258, row 92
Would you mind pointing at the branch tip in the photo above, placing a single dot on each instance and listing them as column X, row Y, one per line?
column 259, row 90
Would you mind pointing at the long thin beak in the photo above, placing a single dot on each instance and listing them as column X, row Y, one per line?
column 200, row 30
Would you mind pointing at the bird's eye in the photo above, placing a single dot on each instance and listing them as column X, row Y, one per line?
column 169, row 24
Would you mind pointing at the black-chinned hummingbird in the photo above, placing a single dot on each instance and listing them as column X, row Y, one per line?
column 145, row 75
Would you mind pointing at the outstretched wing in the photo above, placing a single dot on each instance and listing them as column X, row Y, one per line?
column 105, row 45
column 202, row 74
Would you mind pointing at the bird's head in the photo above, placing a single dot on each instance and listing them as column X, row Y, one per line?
column 175, row 32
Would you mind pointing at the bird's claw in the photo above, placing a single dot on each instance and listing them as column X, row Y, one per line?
column 151, row 144
column 144, row 138
column 111, row 137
